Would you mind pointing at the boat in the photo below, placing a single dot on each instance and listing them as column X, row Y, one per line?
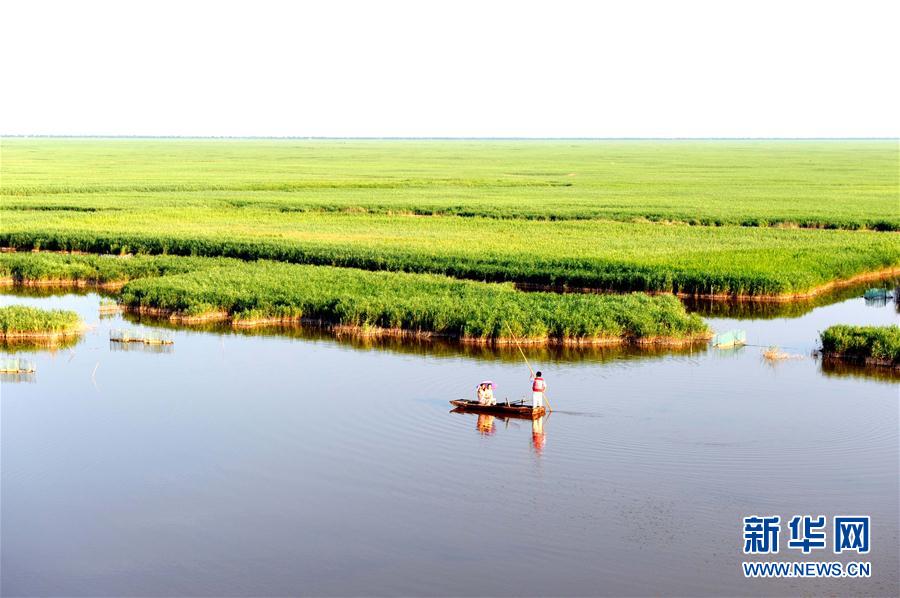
column 505, row 408
column 877, row 294
column 732, row 338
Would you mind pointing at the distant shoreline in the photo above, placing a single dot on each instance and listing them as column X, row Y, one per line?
column 436, row 138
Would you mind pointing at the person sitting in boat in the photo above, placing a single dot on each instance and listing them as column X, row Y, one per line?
column 489, row 394
column 479, row 394
column 485, row 393
column 538, row 386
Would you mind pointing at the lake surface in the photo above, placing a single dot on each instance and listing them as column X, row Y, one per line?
column 239, row 464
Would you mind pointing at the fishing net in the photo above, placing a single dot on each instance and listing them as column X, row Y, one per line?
column 15, row 365
column 156, row 337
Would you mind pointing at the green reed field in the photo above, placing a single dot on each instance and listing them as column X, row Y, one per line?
column 22, row 321
column 697, row 217
column 597, row 254
column 412, row 303
column 881, row 343
column 832, row 184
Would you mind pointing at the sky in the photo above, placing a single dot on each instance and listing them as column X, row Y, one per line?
column 636, row 68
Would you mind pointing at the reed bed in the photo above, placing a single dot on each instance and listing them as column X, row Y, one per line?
column 411, row 304
column 879, row 345
column 23, row 322
column 710, row 261
column 819, row 184
column 599, row 215
column 33, row 268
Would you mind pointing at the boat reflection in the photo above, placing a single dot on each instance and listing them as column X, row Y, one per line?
column 486, row 425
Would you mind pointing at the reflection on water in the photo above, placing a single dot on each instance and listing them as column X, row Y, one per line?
column 141, row 347
column 842, row 369
column 252, row 463
column 54, row 291
column 486, row 425
column 15, row 378
column 879, row 297
column 429, row 347
column 16, row 345
column 717, row 308
column 793, row 309
column 538, row 437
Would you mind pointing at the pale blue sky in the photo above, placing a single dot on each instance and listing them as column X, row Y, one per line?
column 585, row 69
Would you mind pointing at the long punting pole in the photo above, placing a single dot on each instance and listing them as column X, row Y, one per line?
column 522, row 353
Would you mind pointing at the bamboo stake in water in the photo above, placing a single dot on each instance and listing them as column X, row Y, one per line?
column 516, row 340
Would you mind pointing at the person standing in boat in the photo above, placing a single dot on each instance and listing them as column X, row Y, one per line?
column 538, row 386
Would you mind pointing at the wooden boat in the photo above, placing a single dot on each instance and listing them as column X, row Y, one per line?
column 504, row 408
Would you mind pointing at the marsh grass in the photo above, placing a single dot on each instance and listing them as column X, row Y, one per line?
column 819, row 184
column 255, row 292
column 612, row 215
column 382, row 302
column 20, row 321
column 876, row 344
column 616, row 256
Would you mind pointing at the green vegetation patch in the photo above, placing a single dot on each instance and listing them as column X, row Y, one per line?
column 36, row 268
column 819, row 184
column 411, row 302
column 610, row 215
column 593, row 254
column 255, row 291
column 863, row 343
column 19, row 321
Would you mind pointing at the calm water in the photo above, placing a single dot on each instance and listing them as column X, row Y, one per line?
column 241, row 465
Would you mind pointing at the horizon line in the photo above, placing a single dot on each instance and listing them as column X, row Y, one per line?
column 437, row 138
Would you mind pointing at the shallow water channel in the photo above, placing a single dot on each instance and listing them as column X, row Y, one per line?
column 287, row 463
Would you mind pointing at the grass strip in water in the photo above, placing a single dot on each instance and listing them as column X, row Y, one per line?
column 250, row 293
column 31, row 323
column 876, row 345
column 258, row 292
